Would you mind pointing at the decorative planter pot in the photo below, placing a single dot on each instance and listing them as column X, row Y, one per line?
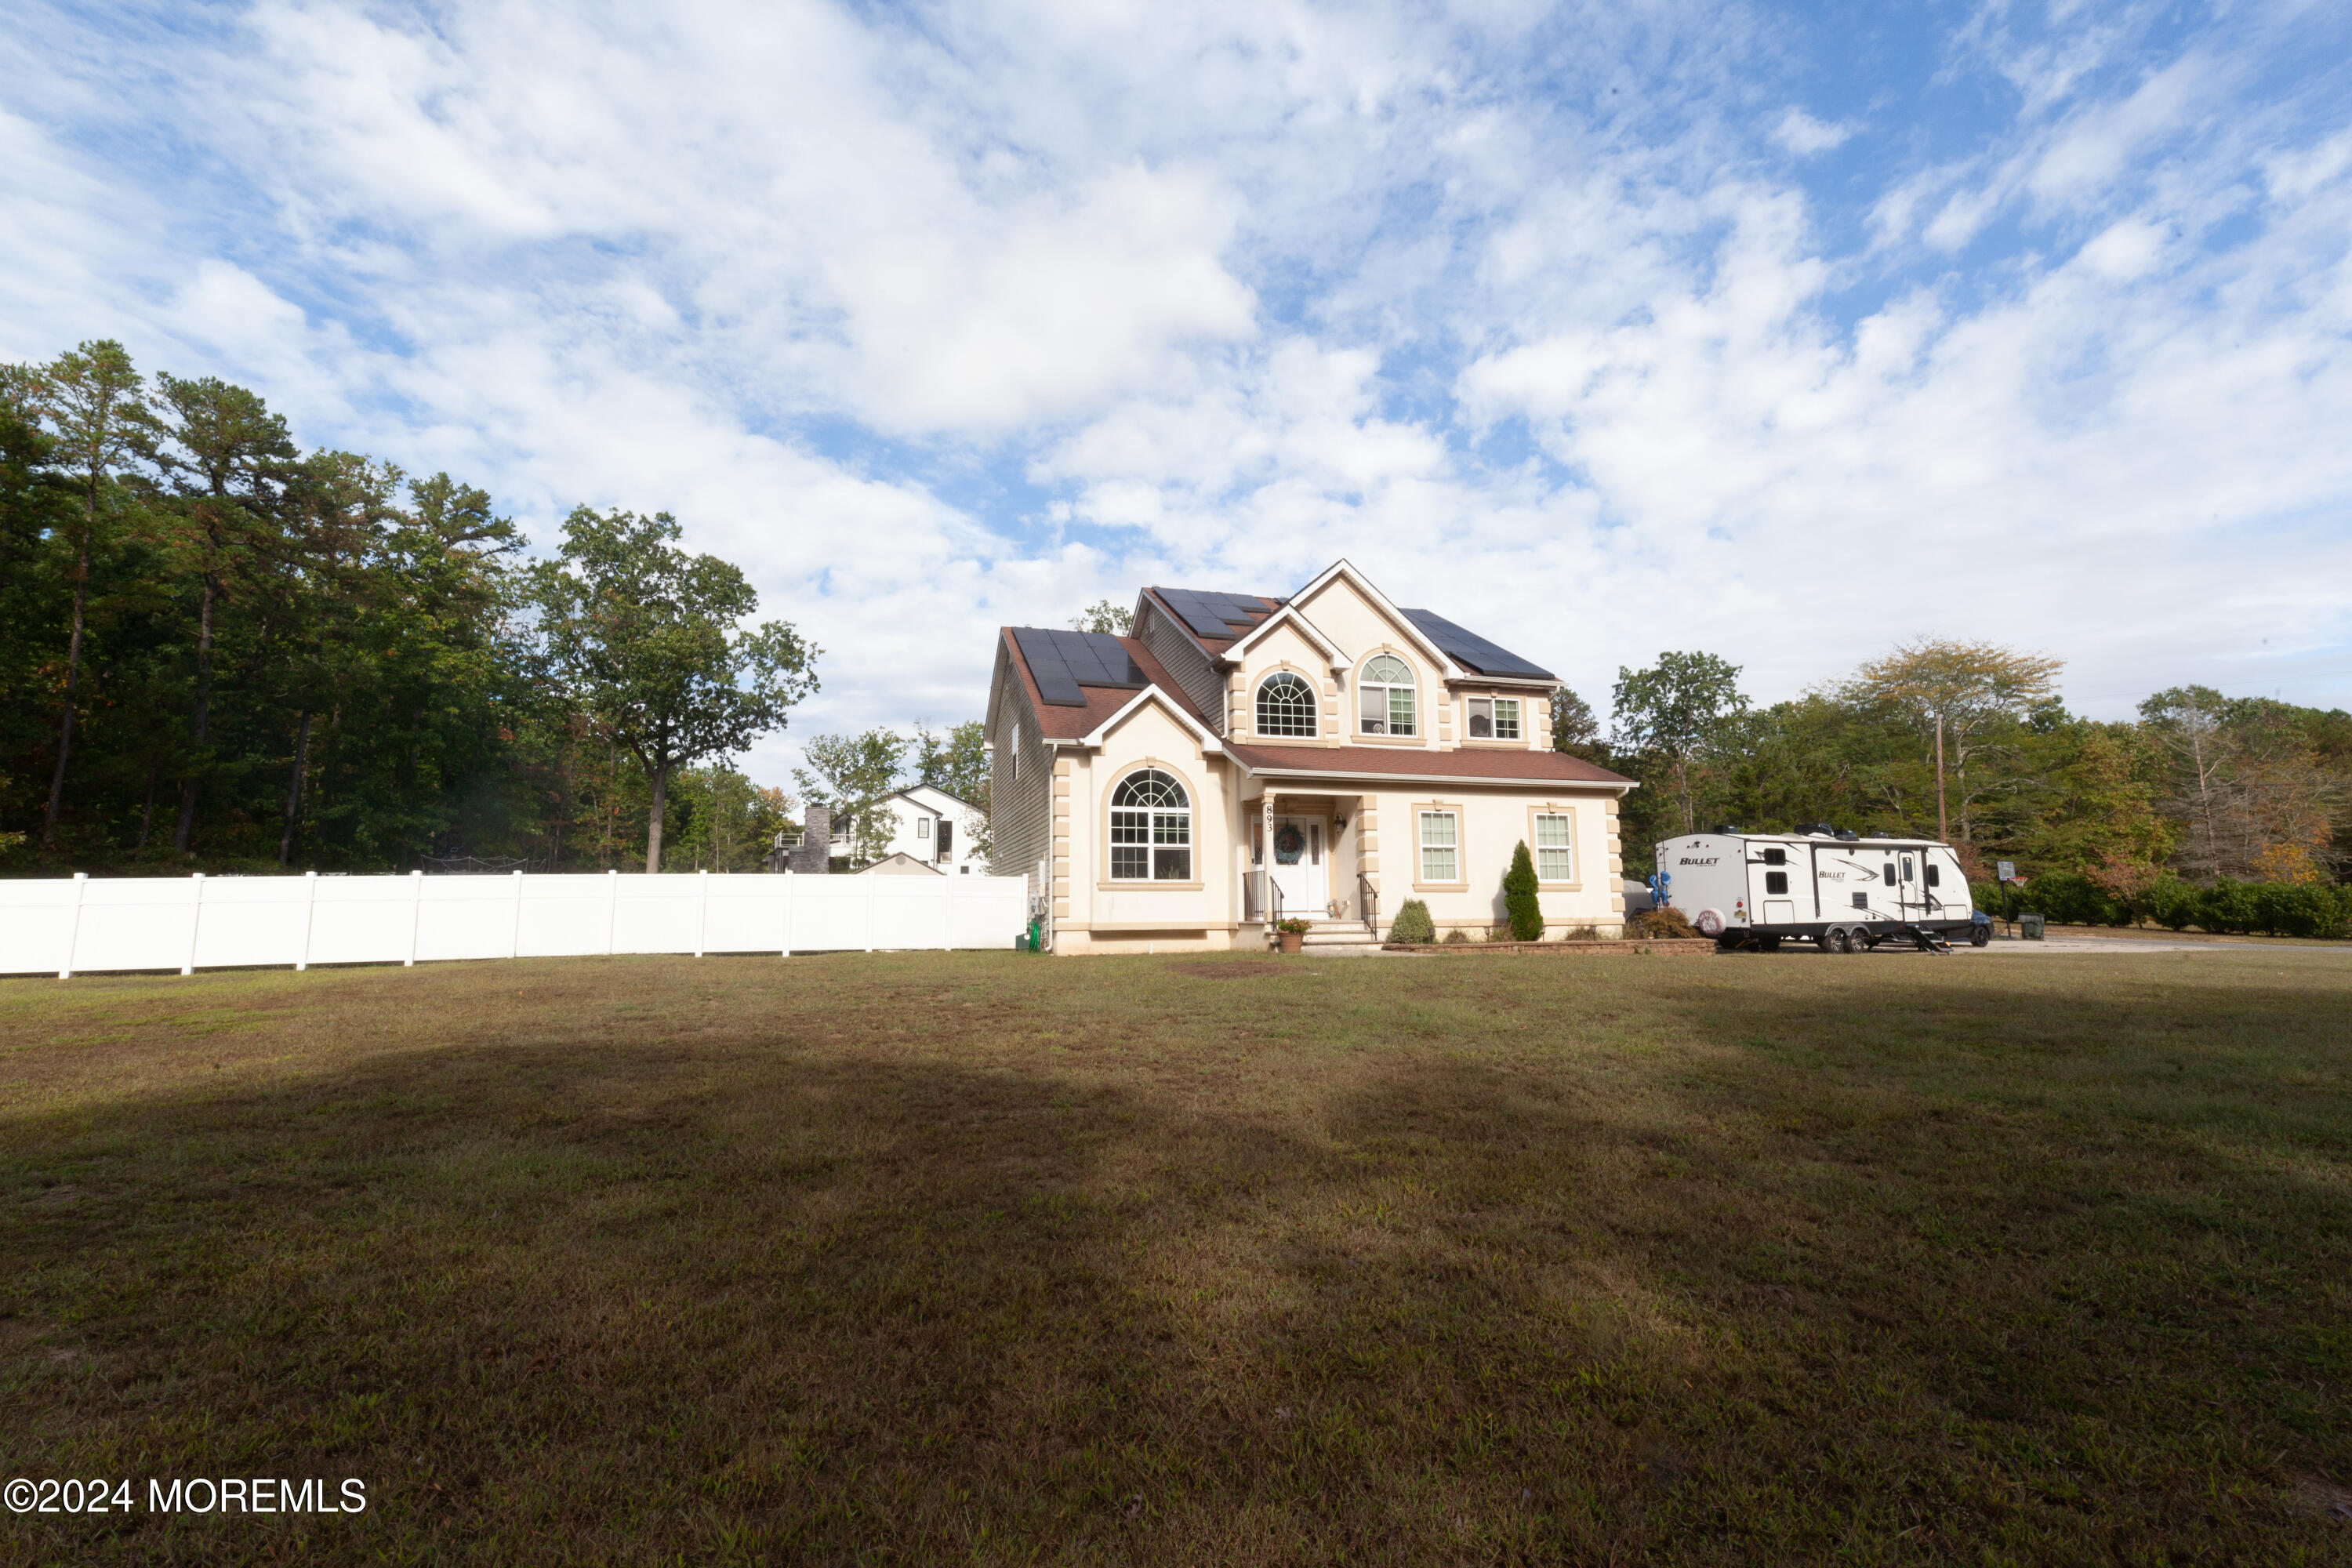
column 1292, row 941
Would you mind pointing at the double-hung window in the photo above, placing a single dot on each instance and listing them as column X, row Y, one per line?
column 1151, row 829
column 1386, row 698
column 1555, row 847
column 1440, row 846
column 1494, row 718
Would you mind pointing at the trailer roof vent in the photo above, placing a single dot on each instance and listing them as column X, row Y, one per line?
column 1848, row 835
column 1726, row 827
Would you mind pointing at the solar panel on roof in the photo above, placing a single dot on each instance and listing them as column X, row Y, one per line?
column 1064, row 662
column 1471, row 650
column 1213, row 614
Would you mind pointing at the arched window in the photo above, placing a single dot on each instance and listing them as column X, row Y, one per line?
column 1286, row 706
column 1151, row 829
column 1387, row 701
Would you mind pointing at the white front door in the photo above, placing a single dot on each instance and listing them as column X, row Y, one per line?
column 1296, row 862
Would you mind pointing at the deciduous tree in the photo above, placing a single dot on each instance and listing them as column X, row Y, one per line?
column 1678, row 713
column 1954, row 693
column 647, row 640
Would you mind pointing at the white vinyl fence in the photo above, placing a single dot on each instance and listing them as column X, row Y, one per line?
column 67, row 924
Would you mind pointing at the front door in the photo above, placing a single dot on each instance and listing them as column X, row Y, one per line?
column 1298, row 867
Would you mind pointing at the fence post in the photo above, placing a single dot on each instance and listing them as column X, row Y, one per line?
column 416, row 914
column 73, row 927
column 514, row 940
column 310, row 917
column 786, row 951
column 702, row 920
column 611, row 907
column 195, row 925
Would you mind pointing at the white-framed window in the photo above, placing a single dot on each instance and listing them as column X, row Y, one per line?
column 1555, row 847
column 1494, row 718
column 1013, row 757
column 923, row 827
column 1440, row 846
column 1151, row 829
column 1387, row 697
column 1285, row 705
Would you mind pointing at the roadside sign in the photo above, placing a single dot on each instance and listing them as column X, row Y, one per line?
column 2008, row 871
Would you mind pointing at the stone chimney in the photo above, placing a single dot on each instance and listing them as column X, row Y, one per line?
column 815, row 856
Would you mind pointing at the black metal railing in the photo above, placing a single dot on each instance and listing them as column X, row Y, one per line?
column 1368, row 904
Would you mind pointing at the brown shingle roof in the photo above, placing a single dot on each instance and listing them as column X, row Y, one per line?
column 1410, row 761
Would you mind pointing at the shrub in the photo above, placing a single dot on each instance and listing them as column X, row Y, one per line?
column 1457, row 937
column 1660, row 923
column 1413, row 924
column 2069, row 898
column 2297, row 909
column 2172, row 903
column 2227, row 906
column 1520, row 897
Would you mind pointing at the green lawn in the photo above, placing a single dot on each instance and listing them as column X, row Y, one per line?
column 923, row 1258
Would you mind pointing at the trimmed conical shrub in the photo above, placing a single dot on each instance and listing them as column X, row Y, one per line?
column 1519, row 896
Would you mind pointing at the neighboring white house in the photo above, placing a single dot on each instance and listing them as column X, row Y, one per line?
column 931, row 825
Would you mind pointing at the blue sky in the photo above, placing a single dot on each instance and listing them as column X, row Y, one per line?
column 1784, row 331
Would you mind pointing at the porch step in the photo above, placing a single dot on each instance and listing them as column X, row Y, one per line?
column 1325, row 934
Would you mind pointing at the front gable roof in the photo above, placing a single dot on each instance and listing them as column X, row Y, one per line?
column 1289, row 616
column 1405, row 625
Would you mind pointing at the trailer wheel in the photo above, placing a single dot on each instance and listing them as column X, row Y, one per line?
column 1832, row 940
column 1767, row 943
column 1709, row 922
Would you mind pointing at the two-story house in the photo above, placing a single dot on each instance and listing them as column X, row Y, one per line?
column 1327, row 755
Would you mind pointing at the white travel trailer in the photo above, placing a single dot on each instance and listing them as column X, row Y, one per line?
column 1846, row 893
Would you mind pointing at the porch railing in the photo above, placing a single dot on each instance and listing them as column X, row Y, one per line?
column 1368, row 904
column 1261, row 898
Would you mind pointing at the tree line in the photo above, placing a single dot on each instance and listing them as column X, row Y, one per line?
column 1973, row 743
column 219, row 652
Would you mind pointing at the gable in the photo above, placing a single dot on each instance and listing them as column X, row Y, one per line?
column 1352, row 618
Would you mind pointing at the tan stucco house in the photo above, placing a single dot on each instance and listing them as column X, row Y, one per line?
column 1324, row 755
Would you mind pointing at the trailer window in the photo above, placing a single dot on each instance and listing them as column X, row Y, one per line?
column 1890, row 873
column 1935, row 875
column 1906, row 867
column 1776, row 856
column 1776, row 881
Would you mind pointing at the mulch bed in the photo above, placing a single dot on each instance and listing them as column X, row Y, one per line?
column 1627, row 945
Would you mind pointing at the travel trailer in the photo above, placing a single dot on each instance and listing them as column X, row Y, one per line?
column 1843, row 890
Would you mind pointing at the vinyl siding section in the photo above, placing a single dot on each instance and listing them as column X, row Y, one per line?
column 1021, row 819
column 1185, row 663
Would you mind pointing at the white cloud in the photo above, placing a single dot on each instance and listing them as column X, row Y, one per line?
column 940, row 319
column 1803, row 135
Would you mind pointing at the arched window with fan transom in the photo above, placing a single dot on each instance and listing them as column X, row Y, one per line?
column 1286, row 706
column 1151, row 829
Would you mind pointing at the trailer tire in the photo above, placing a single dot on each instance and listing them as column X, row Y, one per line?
column 1767, row 943
column 1708, row 923
column 1841, row 940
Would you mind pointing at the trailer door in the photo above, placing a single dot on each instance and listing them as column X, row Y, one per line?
column 1768, row 892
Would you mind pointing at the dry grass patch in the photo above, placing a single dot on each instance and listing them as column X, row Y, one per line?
column 907, row 1259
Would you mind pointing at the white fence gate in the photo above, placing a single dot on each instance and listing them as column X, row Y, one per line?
column 64, row 925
